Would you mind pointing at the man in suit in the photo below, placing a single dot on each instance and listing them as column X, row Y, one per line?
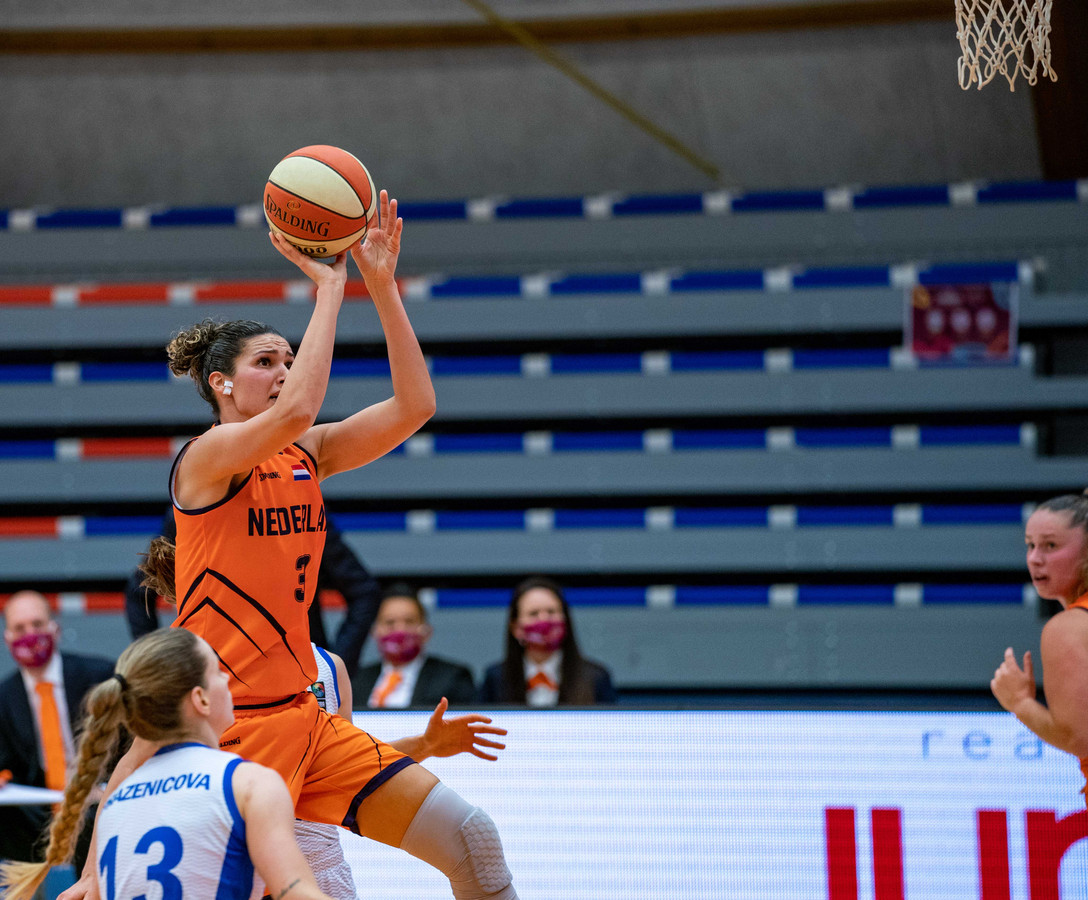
column 40, row 713
column 407, row 675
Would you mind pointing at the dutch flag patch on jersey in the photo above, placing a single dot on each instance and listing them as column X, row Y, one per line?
column 301, row 472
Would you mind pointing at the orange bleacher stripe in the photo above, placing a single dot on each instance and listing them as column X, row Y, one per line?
column 29, row 295
column 240, row 291
column 357, row 289
column 103, row 601
column 54, row 600
column 155, row 292
column 149, row 446
column 28, row 526
column 330, row 599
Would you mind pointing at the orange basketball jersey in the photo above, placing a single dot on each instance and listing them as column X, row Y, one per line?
column 246, row 573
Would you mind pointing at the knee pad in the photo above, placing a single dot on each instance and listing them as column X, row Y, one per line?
column 463, row 843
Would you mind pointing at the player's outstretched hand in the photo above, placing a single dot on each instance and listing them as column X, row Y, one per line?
column 84, row 889
column 462, row 734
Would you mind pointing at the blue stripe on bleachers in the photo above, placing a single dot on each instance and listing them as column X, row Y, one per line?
column 845, row 515
column 973, row 593
column 4, row 218
column 434, row 210
column 599, row 518
column 1010, row 191
column 480, row 520
column 963, row 514
column 720, row 517
column 778, row 201
column 124, row 371
column 940, row 435
column 820, row 594
column 26, row 373
column 597, row 284
column 738, row 280
column 81, row 218
column 843, row 437
column 857, row 276
column 360, row 368
column 692, row 360
column 479, row 443
column 597, row 440
column 565, row 207
column 114, row 525
column 922, row 195
column 570, row 363
column 27, row 450
column 191, row 216
column 453, row 598
column 375, row 521
column 969, row 273
column 484, row 286
column 719, row 439
column 724, row 595
column 658, row 203
column 822, row 358
column 476, row 365
column 606, row 596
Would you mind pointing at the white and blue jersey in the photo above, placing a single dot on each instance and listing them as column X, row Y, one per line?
column 327, row 686
column 172, row 830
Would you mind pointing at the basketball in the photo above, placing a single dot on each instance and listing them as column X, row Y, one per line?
column 321, row 199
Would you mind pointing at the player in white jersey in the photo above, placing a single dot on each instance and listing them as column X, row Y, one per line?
column 192, row 821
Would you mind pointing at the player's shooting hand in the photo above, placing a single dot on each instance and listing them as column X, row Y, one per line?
column 463, row 734
column 1012, row 685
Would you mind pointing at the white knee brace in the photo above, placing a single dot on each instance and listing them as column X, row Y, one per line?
column 462, row 842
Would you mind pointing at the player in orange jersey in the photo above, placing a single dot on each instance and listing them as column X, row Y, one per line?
column 251, row 525
column 1057, row 544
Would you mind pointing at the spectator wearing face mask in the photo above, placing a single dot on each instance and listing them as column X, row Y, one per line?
column 41, row 708
column 543, row 665
column 407, row 675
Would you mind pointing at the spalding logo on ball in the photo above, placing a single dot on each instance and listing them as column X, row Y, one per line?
column 321, row 199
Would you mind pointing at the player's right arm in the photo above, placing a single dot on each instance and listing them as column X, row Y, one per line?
column 269, row 814
column 234, row 448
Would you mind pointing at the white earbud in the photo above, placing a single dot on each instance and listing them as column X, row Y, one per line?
column 228, row 386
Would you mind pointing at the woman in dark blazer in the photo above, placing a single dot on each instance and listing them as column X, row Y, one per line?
column 543, row 665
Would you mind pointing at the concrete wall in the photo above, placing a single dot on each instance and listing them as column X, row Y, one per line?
column 875, row 104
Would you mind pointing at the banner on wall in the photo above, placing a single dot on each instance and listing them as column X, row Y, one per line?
column 709, row 805
column 962, row 323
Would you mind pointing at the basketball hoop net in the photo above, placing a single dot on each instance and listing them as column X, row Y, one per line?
column 1003, row 37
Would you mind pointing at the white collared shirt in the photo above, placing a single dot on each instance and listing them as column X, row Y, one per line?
column 401, row 695
column 543, row 695
column 53, row 673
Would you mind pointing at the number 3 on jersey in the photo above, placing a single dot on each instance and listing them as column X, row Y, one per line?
column 161, row 871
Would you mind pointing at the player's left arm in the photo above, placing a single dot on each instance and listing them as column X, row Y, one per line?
column 377, row 429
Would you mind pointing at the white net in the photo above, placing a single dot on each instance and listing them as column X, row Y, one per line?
column 1003, row 37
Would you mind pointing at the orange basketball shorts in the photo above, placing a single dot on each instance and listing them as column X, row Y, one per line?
column 330, row 766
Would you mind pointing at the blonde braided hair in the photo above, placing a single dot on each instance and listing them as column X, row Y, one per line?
column 152, row 677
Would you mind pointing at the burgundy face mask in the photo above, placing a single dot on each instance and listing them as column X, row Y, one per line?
column 400, row 647
column 32, row 651
column 544, row 635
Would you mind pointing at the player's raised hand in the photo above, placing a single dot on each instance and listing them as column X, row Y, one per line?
column 1012, row 685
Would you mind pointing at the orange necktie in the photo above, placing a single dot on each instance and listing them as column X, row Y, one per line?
column 52, row 738
column 392, row 681
column 541, row 679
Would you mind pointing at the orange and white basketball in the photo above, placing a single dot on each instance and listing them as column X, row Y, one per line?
column 321, row 199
